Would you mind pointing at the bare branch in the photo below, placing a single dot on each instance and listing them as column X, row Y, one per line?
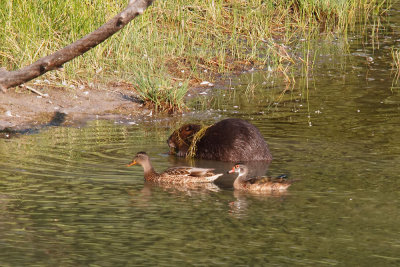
column 34, row 90
column 10, row 79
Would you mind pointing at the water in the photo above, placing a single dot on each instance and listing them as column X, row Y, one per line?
column 67, row 198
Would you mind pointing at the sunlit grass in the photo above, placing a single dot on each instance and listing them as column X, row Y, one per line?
column 187, row 41
column 161, row 93
column 396, row 59
column 396, row 67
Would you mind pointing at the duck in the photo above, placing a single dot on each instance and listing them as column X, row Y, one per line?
column 174, row 175
column 258, row 184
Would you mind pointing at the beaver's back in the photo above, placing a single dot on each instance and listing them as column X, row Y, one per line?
column 233, row 140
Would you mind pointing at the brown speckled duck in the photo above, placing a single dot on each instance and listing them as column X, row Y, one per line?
column 174, row 175
column 258, row 184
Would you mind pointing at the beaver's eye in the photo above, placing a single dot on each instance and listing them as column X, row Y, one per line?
column 188, row 128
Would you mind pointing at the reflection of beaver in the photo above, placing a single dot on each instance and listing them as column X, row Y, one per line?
column 227, row 140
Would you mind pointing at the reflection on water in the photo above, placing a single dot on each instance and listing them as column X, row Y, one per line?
column 189, row 189
column 68, row 199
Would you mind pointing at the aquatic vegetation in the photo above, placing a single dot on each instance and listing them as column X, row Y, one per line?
column 194, row 41
column 395, row 67
column 396, row 60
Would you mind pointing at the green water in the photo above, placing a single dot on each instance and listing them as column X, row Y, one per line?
column 67, row 198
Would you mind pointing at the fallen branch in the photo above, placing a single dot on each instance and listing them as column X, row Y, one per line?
column 10, row 79
column 34, row 90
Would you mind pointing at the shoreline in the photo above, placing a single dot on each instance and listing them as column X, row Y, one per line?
column 21, row 109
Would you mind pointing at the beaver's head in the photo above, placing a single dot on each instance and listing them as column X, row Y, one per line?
column 180, row 140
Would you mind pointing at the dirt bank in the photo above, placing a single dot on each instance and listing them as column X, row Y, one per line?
column 21, row 108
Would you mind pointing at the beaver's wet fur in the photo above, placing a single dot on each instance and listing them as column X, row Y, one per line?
column 228, row 140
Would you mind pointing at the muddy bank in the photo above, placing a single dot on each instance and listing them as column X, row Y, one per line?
column 22, row 109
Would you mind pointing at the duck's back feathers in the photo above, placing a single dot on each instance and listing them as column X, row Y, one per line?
column 190, row 171
column 268, row 184
column 189, row 175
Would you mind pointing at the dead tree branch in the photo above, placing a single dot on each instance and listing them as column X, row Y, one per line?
column 10, row 79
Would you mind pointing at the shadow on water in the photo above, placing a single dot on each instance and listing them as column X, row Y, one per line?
column 57, row 120
column 132, row 98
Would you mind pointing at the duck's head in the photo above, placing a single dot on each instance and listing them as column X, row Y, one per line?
column 141, row 158
column 239, row 168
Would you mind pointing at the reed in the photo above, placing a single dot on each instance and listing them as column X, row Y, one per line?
column 396, row 60
column 395, row 68
column 185, row 41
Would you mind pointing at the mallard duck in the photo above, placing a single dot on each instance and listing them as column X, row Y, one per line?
column 174, row 175
column 258, row 184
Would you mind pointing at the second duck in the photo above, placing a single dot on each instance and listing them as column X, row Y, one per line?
column 258, row 184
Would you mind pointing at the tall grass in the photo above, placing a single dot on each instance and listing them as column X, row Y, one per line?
column 396, row 59
column 395, row 67
column 186, row 40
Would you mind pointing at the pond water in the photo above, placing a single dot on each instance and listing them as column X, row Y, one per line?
column 67, row 198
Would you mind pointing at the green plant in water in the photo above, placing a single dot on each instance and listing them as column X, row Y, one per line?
column 193, row 146
column 396, row 59
column 395, row 66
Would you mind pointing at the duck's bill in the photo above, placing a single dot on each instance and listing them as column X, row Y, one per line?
column 131, row 164
column 232, row 171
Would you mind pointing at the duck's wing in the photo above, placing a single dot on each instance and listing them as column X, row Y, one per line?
column 272, row 180
column 258, row 179
column 201, row 171
column 189, row 171
column 190, row 175
column 175, row 171
column 252, row 180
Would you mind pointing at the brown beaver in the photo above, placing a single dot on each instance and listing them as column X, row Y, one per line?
column 227, row 140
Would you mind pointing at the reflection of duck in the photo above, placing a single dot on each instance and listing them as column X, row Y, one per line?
column 262, row 184
column 188, row 188
column 174, row 175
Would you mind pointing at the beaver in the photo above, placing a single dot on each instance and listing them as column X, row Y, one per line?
column 227, row 140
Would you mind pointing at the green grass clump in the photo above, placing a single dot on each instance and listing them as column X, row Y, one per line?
column 159, row 92
column 187, row 40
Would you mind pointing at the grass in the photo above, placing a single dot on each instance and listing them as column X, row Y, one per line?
column 157, row 90
column 396, row 60
column 395, row 67
column 175, row 43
